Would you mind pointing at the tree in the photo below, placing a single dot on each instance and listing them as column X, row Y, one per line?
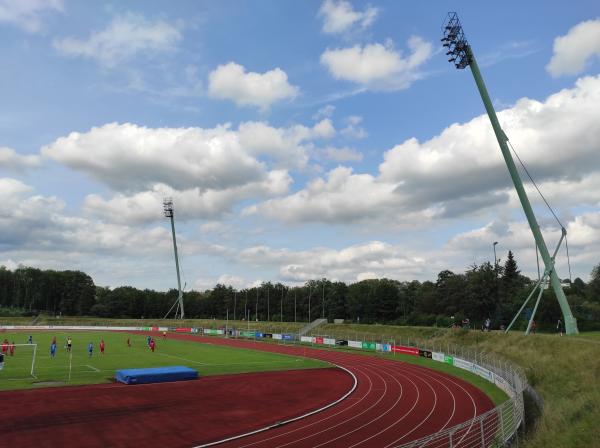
column 593, row 287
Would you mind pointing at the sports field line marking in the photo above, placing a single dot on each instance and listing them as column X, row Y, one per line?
column 183, row 359
column 92, row 367
column 226, row 363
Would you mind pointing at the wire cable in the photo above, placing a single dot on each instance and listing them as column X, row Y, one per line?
column 535, row 185
column 547, row 204
column 568, row 259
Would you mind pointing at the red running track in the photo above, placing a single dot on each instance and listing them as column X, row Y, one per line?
column 178, row 414
column 393, row 403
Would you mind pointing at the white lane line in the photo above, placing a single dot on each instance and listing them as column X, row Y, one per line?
column 357, row 402
column 92, row 368
column 373, row 420
column 448, row 378
column 343, row 397
column 344, row 422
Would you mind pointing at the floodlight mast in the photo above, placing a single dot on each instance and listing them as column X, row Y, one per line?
column 170, row 213
column 462, row 56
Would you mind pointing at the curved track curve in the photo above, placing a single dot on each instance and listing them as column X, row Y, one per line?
column 393, row 403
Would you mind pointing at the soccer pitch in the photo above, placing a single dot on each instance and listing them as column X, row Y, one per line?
column 78, row 367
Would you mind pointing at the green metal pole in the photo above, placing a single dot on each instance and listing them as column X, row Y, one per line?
column 180, row 295
column 570, row 321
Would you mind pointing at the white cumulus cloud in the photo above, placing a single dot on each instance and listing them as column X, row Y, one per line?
column 575, row 49
column 377, row 66
column 339, row 16
column 13, row 161
column 460, row 172
column 232, row 82
column 194, row 203
column 134, row 158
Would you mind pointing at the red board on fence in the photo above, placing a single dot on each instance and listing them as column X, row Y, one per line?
column 318, row 340
column 154, row 328
column 183, row 330
column 405, row 350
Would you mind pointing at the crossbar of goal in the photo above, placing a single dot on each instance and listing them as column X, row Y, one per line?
column 34, row 353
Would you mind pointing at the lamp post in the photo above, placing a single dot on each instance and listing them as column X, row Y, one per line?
column 461, row 55
column 169, row 212
column 495, row 258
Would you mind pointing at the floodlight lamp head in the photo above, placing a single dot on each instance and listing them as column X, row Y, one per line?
column 168, row 207
column 454, row 39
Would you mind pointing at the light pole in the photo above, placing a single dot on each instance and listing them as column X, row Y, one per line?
column 234, row 303
column 495, row 258
column 309, row 294
column 323, row 299
column 461, row 55
column 169, row 212
column 256, row 307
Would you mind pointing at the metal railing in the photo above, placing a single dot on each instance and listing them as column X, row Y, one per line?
column 495, row 428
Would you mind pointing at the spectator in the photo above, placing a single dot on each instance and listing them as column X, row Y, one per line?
column 560, row 327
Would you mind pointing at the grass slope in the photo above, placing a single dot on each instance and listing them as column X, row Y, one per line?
column 206, row 358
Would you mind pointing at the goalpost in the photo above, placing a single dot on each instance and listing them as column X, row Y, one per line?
column 19, row 362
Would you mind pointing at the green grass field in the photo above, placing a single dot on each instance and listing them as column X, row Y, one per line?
column 206, row 358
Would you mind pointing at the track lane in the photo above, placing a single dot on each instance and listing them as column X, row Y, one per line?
column 393, row 404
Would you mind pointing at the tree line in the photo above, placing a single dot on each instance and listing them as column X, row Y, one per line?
column 482, row 291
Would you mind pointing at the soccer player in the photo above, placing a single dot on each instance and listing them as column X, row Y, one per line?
column 4, row 345
column 149, row 339
column 30, row 340
column 11, row 348
column 152, row 345
column 1, row 360
column 164, row 335
column 53, row 349
column 128, row 342
column 69, row 343
column 90, row 349
column 102, row 346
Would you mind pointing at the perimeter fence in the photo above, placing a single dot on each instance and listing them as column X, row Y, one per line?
column 497, row 427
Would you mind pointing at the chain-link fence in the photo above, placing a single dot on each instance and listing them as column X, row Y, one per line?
column 496, row 428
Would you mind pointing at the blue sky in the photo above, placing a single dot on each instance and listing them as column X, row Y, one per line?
column 297, row 139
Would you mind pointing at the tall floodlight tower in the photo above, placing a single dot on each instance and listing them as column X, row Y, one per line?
column 170, row 213
column 461, row 55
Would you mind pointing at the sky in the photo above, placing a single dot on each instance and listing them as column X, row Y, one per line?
column 297, row 140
